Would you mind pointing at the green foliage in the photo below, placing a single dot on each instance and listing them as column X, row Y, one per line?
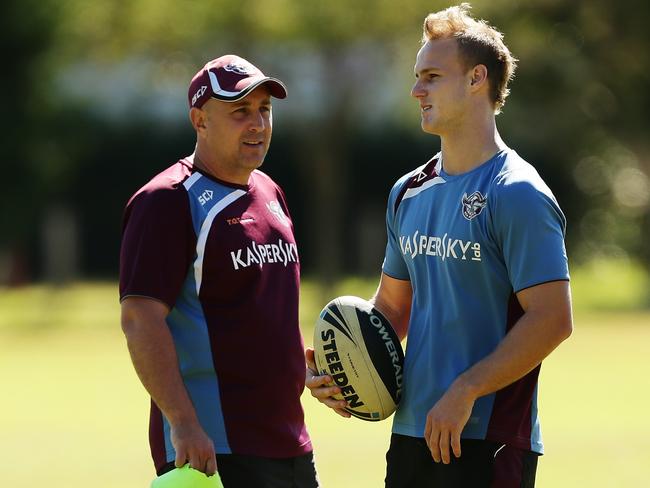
column 26, row 33
column 109, row 29
column 578, row 108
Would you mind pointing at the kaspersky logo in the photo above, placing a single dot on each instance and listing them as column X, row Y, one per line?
column 257, row 254
column 443, row 248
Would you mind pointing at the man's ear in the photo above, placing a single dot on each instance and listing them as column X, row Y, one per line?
column 478, row 76
column 198, row 118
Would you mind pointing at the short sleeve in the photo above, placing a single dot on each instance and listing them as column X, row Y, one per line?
column 530, row 227
column 158, row 245
column 394, row 264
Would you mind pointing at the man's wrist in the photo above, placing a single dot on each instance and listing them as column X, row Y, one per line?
column 182, row 419
column 466, row 387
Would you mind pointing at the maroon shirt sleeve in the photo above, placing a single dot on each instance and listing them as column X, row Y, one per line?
column 158, row 244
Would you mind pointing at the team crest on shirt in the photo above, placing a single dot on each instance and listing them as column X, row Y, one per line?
column 473, row 204
column 275, row 208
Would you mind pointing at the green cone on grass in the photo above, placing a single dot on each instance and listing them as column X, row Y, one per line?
column 187, row 477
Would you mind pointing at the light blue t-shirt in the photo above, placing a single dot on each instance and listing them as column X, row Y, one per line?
column 468, row 243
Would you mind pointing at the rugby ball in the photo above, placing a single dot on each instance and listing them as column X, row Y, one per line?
column 357, row 346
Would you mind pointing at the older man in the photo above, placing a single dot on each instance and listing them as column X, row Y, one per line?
column 209, row 278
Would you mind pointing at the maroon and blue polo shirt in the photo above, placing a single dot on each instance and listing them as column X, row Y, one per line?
column 223, row 258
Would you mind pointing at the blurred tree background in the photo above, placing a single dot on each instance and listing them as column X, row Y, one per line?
column 94, row 97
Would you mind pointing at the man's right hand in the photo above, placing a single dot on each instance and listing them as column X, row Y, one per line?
column 193, row 445
column 321, row 386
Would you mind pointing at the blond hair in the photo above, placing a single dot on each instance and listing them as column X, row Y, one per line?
column 478, row 43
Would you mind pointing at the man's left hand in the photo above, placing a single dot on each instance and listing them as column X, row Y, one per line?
column 445, row 422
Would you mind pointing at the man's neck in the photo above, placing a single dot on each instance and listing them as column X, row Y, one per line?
column 470, row 146
column 204, row 165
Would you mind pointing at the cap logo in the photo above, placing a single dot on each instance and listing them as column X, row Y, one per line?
column 240, row 69
column 199, row 93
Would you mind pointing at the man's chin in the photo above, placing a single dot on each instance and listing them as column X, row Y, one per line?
column 254, row 163
column 252, row 160
column 429, row 129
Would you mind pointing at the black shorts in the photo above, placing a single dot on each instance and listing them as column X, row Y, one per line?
column 238, row 471
column 482, row 464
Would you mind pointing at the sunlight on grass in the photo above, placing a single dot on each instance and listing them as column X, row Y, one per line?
column 75, row 415
column 610, row 285
column 73, row 400
column 43, row 307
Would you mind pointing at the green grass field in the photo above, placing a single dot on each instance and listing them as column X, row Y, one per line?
column 74, row 415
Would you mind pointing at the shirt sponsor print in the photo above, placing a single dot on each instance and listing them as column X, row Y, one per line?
column 205, row 197
column 443, row 248
column 261, row 254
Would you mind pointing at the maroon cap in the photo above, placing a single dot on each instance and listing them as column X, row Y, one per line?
column 230, row 78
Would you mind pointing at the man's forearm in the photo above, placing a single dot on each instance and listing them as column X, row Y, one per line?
column 154, row 356
column 533, row 337
column 393, row 299
column 156, row 363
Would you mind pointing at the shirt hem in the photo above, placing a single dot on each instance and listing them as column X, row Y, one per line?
column 278, row 454
column 138, row 295
column 524, row 443
column 392, row 275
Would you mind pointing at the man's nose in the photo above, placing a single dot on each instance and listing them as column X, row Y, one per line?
column 417, row 91
column 258, row 122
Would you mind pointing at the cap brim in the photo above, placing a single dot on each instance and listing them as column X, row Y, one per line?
column 276, row 89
